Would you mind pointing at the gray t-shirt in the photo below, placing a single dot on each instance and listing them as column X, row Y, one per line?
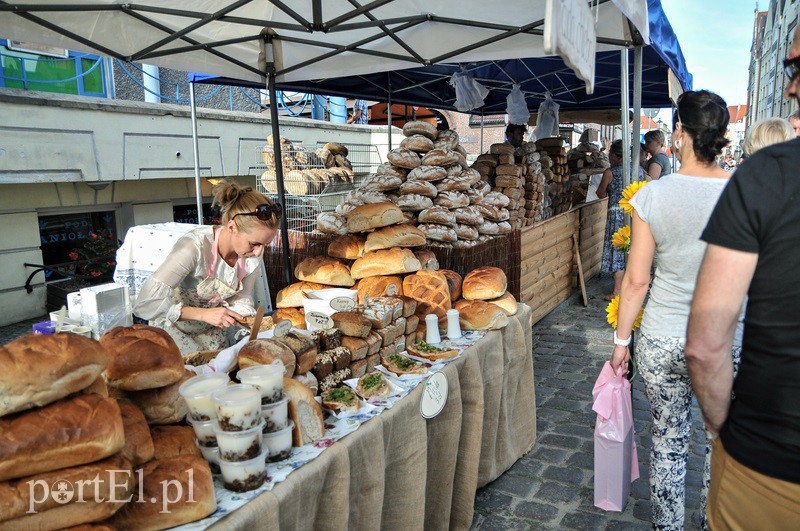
column 663, row 161
column 677, row 208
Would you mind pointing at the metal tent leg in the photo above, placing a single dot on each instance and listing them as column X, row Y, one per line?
column 389, row 107
column 626, row 126
column 196, row 149
column 276, row 148
column 637, row 108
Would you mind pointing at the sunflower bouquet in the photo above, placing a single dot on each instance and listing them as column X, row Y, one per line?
column 621, row 240
column 628, row 193
column 612, row 314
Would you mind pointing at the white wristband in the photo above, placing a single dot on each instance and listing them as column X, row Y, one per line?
column 622, row 342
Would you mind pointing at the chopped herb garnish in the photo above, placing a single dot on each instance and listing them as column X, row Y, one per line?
column 372, row 380
column 402, row 362
column 341, row 394
column 424, row 347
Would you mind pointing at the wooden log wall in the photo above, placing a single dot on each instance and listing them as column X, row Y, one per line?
column 548, row 269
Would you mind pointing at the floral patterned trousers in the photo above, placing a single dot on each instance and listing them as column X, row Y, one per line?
column 662, row 364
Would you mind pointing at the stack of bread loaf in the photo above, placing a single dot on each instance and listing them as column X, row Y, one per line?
column 427, row 177
column 534, row 184
column 584, row 161
column 556, row 172
column 506, row 174
column 485, row 302
column 70, row 454
column 306, row 172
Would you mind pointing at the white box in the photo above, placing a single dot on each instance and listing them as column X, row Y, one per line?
column 104, row 298
column 74, row 306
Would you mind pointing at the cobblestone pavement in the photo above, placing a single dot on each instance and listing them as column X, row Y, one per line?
column 553, row 486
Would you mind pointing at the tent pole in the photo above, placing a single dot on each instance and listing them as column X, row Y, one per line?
column 626, row 126
column 389, row 107
column 276, row 150
column 196, row 149
column 637, row 108
column 481, row 131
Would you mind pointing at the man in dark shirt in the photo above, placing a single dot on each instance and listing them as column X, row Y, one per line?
column 753, row 241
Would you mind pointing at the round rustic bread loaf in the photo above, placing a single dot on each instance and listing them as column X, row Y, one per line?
column 455, row 183
column 419, row 127
column 141, row 357
column 474, row 196
column 347, row 247
column 405, row 158
column 292, row 295
column 296, row 315
column 439, row 157
column 468, row 215
column 507, row 302
column 466, row 232
column 446, row 140
column 367, row 197
column 348, row 206
column 164, row 405
column 471, row 176
column 414, row 202
column 418, row 143
column 382, row 183
column 331, row 223
column 336, row 148
column 434, row 231
column 496, row 199
column 437, row 214
column 430, row 290
column 453, row 283
column 485, row 283
column 483, row 187
column 427, row 259
column 427, row 173
column 387, row 168
column 138, row 447
column 266, row 351
column 324, row 270
column 172, row 441
column 480, row 315
column 451, row 199
column 418, row 187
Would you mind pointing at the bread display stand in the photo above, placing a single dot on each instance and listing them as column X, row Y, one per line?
column 320, row 481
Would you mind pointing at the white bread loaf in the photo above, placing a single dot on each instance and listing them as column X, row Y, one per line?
column 373, row 216
column 429, row 289
column 480, row 315
column 40, row 369
column 347, row 247
column 70, row 432
column 297, row 316
column 324, row 270
column 392, row 261
column 266, row 351
column 171, row 441
column 138, row 447
column 378, row 286
column 427, row 259
column 292, row 295
column 164, row 405
column 484, row 283
column 141, row 357
column 394, row 236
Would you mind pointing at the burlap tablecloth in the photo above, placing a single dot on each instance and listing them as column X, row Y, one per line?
column 400, row 471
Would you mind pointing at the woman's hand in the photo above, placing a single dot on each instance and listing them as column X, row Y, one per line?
column 621, row 356
column 220, row 317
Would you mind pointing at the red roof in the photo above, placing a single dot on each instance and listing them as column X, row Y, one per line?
column 737, row 112
column 647, row 123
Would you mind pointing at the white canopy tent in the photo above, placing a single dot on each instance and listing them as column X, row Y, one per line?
column 271, row 41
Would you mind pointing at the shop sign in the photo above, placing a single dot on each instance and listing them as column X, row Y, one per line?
column 569, row 32
column 282, row 328
column 434, row 395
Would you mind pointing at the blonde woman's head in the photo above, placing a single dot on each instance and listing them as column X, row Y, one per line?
column 765, row 133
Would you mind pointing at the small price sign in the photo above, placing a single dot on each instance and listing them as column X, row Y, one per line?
column 391, row 289
column 434, row 395
column 282, row 328
column 319, row 320
column 343, row 304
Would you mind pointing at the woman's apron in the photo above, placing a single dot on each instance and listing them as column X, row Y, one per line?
column 195, row 336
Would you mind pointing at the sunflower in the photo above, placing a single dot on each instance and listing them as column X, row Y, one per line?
column 612, row 314
column 629, row 192
column 621, row 239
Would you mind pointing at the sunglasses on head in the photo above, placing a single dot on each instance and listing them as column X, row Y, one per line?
column 791, row 67
column 263, row 212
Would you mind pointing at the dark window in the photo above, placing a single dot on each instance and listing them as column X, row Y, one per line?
column 188, row 214
column 77, row 237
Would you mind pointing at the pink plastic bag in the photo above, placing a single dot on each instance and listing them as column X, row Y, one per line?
column 616, row 464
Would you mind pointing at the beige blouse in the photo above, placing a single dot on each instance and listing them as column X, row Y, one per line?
column 159, row 299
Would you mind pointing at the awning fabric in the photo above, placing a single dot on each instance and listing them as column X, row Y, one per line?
column 313, row 39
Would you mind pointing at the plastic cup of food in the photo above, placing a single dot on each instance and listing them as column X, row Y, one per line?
column 279, row 443
column 204, row 431
column 241, row 476
column 275, row 415
column 196, row 391
column 238, row 407
column 268, row 378
column 210, row 454
column 84, row 331
column 237, row 446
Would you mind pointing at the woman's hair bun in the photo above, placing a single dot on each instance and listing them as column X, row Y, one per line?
column 704, row 116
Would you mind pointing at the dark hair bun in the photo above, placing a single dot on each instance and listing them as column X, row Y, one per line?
column 704, row 116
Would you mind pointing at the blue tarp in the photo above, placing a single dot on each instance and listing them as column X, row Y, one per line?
column 429, row 86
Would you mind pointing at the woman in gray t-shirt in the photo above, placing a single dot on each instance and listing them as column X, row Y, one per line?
column 668, row 218
column 658, row 164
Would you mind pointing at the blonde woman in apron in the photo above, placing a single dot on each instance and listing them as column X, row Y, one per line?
column 206, row 282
